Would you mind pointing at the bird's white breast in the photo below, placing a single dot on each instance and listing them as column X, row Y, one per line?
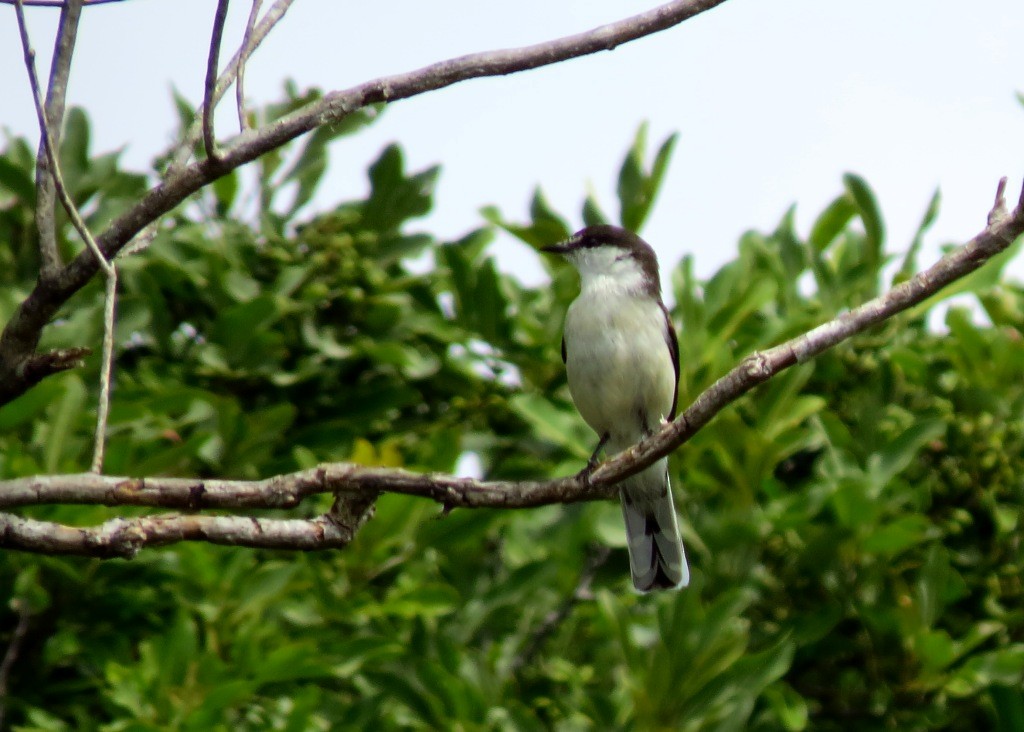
column 618, row 362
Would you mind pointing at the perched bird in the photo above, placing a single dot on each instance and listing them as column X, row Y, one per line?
column 622, row 360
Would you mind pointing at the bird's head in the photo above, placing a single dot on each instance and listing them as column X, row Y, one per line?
column 610, row 252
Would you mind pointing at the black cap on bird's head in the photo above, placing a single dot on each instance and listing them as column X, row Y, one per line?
column 601, row 235
column 605, row 236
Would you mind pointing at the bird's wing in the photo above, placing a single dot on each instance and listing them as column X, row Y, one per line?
column 673, row 349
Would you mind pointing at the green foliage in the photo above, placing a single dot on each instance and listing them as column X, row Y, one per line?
column 853, row 524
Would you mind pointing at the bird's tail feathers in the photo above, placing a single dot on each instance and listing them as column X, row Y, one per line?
column 657, row 559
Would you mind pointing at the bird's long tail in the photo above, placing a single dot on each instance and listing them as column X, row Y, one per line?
column 657, row 559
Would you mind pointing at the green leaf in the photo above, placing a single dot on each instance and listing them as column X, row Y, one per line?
column 867, row 209
column 898, row 536
column 62, row 425
column 637, row 188
column 225, row 189
column 592, row 213
column 899, row 453
column 18, row 181
column 1004, row 666
column 909, row 266
column 394, row 197
column 832, row 221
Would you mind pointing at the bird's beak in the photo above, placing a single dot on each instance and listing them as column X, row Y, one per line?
column 560, row 248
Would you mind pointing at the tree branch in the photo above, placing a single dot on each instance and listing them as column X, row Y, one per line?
column 183, row 153
column 48, row 144
column 60, row 70
column 48, row 149
column 21, row 334
column 125, row 537
column 55, row 3
column 209, row 105
column 230, row 75
column 360, row 486
column 243, row 55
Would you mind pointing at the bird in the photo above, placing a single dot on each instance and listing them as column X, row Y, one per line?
column 621, row 357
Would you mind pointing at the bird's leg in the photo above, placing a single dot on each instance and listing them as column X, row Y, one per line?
column 592, row 462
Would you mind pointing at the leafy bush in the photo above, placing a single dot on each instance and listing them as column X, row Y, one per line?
column 853, row 524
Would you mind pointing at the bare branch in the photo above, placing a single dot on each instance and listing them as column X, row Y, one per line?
column 60, row 70
column 289, row 490
column 183, row 154
column 55, row 3
column 106, row 371
column 209, row 104
column 23, row 330
column 124, row 537
column 40, row 365
column 48, row 143
column 259, row 33
column 359, row 486
column 243, row 56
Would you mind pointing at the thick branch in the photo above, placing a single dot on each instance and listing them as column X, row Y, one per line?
column 42, row 304
column 124, row 537
column 359, row 486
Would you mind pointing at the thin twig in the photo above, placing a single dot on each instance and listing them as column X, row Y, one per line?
column 56, row 92
column 183, row 153
column 51, row 152
column 266, row 24
column 21, row 607
column 47, row 136
column 209, row 104
column 243, row 55
column 106, row 369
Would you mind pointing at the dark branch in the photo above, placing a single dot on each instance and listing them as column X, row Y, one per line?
column 209, row 104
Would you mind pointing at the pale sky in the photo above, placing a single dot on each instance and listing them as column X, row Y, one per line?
column 773, row 99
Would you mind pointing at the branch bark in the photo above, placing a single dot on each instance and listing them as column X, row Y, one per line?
column 359, row 486
column 209, row 106
column 124, row 537
column 21, row 335
column 56, row 93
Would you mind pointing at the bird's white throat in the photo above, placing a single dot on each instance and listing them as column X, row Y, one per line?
column 611, row 269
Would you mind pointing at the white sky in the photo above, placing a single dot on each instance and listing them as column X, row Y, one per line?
column 774, row 100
